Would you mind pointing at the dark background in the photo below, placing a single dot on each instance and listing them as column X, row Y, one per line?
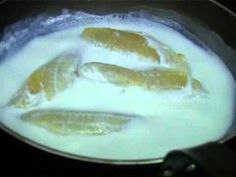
column 20, row 159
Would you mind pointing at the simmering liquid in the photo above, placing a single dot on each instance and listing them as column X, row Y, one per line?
column 167, row 119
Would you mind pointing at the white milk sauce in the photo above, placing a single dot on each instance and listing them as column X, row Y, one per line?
column 170, row 120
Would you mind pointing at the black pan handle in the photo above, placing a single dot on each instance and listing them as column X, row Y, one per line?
column 212, row 159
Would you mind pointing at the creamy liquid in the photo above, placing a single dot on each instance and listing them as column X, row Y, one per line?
column 171, row 119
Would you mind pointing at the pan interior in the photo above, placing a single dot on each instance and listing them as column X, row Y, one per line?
column 166, row 119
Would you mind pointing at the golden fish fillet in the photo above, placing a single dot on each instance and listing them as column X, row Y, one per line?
column 66, row 122
column 47, row 80
column 150, row 79
column 177, row 61
column 174, row 60
column 121, row 40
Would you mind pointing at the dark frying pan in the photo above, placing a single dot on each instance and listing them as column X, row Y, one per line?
column 204, row 19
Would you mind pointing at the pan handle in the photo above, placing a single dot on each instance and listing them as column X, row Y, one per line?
column 211, row 159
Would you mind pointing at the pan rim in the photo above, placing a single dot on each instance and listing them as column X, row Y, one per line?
column 102, row 160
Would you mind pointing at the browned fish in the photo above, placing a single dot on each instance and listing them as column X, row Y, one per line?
column 47, row 80
column 121, row 40
column 66, row 122
column 150, row 79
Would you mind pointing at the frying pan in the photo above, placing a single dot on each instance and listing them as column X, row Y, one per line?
column 202, row 18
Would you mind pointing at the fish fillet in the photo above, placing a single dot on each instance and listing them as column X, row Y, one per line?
column 46, row 81
column 151, row 79
column 67, row 122
column 122, row 41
